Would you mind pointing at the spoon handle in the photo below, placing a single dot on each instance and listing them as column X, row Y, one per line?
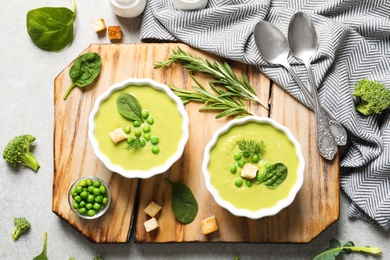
column 338, row 131
column 325, row 141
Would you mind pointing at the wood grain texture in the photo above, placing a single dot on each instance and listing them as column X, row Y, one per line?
column 314, row 209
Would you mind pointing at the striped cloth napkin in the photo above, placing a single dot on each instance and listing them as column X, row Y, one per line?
column 354, row 39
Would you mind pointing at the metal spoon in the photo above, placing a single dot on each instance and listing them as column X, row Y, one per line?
column 302, row 37
column 273, row 47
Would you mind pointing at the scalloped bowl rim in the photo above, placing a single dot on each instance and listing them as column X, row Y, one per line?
column 265, row 211
column 143, row 174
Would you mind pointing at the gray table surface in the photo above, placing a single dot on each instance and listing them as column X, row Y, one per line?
column 26, row 103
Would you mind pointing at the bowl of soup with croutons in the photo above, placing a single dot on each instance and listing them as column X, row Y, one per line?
column 253, row 167
column 138, row 128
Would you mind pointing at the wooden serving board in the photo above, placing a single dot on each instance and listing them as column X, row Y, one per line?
column 314, row 209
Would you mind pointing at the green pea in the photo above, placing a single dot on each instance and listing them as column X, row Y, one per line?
column 238, row 182
column 97, row 206
column 130, row 140
column 89, row 205
column 233, row 168
column 248, row 183
column 240, row 163
column 260, row 177
column 146, row 129
column 150, row 120
column 73, row 192
column 82, row 204
column 267, row 165
column 136, row 123
column 97, row 184
column 79, row 189
column 84, row 189
column 75, row 205
column 89, row 182
column 237, row 156
column 154, row 140
column 83, row 183
column 147, row 136
column 137, row 133
column 105, row 201
column 90, row 188
column 255, row 158
column 84, row 195
column 82, row 210
column 77, row 198
column 99, row 199
column 142, row 142
column 246, row 154
column 155, row 149
column 91, row 213
column 127, row 129
column 97, row 191
column 103, row 189
column 145, row 114
column 91, row 198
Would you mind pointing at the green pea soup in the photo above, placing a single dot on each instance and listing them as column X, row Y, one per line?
column 278, row 149
column 167, row 127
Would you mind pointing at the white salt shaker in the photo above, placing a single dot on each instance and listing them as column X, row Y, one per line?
column 189, row 4
column 128, row 8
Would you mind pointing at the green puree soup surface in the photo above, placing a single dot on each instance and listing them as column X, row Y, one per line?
column 167, row 127
column 278, row 149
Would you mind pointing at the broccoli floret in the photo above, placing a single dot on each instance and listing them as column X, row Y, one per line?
column 18, row 152
column 21, row 225
column 374, row 97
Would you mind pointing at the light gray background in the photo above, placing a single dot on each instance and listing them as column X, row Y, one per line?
column 26, row 102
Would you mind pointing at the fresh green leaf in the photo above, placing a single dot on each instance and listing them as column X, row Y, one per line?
column 43, row 255
column 183, row 202
column 133, row 144
column 51, row 28
column 335, row 249
column 84, row 70
column 129, row 107
column 251, row 146
column 274, row 175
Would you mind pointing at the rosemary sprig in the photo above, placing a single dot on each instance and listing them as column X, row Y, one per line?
column 221, row 101
column 223, row 74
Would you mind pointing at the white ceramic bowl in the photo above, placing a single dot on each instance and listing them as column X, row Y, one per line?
column 189, row 4
column 157, row 169
column 128, row 8
column 263, row 212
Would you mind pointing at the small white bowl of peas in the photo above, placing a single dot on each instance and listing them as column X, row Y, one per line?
column 89, row 197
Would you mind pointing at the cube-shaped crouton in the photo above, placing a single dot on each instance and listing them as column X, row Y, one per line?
column 118, row 135
column 209, row 225
column 151, row 224
column 99, row 25
column 114, row 32
column 152, row 209
column 249, row 171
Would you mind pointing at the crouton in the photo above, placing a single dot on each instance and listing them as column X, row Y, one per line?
column 114, row 32
column 118, row 135
column 249, row 171
column 99, row 25
column 209, row 225
column 152, row 209
column 151, row 224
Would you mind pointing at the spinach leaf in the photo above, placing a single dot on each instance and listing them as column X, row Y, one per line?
column 43, row 256
column 275, row 175
column 84, row 70
column 129, row 107
column 51, row 28
column 335, row 249
column 183, row 202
